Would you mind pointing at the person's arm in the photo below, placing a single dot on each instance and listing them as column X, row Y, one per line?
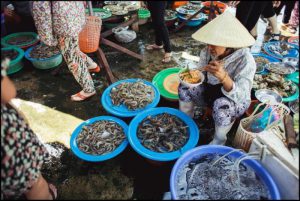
column 217, row 69
column 239, row 87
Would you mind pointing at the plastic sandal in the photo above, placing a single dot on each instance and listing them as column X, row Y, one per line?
column 274, row 37
column 53, row 191
column 81, row 97
column 95, row 70
column 152, row 47
column 167, row 59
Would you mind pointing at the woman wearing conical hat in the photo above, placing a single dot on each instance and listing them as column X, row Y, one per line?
column 229, row 70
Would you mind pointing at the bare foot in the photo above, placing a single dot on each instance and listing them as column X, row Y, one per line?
column 167, row 57
column 82, row 96
column 154, row 47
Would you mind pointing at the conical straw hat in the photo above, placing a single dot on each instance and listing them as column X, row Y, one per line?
column 226, row 31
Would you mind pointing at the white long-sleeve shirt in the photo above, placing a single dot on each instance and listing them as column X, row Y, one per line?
column 240, row 66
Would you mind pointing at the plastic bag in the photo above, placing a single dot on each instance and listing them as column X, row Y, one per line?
column 124, row 35
column 260, row 123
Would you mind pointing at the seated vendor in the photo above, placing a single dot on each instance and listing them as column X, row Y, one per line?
column 228, row 68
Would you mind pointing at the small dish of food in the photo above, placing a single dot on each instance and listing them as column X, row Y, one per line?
column 191, row 77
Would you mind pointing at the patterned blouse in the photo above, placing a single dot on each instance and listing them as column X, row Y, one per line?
column 241, row 67
column 58, row 18
column 22, row 154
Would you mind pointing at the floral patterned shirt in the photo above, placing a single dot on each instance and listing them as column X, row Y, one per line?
column 241, row 67
column 58, row 18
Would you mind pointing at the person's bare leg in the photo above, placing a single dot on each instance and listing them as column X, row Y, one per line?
column 254, row 31
column 39, row 191
column 273, row 23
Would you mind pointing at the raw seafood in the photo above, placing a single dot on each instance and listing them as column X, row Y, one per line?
column 19, row 40
column 170, row 14
column 203, row 179
column 134, row 95
column 120, row 12
column 280, row 68
column 100, row 137
column 113, row 8
column 274, row 82
column 10, row 54
column 191, row 76
column 43, row 51
column 260, row 63
column 280, row 48
column 163, row 133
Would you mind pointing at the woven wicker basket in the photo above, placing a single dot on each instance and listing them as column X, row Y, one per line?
column 90, row 35
column 243, row 138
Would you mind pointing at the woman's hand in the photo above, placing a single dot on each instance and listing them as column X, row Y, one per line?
column 276, row 4
column 217, row 69
column 233, row 3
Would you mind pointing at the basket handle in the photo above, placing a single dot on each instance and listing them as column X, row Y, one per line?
column 90, row 8
column 281, row 113
column 257, row 108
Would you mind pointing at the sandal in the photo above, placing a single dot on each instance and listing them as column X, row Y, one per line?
column 94, row 70
column 275, row 37
column 292, row 29
column 52, row 191
column 167, row 59
column 154, row 47
column 79, row 97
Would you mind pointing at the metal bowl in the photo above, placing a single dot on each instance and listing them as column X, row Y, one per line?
column 292, row 61
column 280, row 68
column 266, row 95
column 294, row 106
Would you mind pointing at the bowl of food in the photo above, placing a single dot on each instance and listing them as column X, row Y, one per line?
column 190, row 77
column 99, row 139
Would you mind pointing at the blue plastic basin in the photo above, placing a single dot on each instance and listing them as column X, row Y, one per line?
column 196, row 153
column 156, row 156
column 98, row 158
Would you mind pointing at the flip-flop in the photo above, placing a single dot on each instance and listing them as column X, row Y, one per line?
column 52, row 191
column 274, row 37
column 81, row 97
column 95, row 70
column 167, row 59
column 152, row 47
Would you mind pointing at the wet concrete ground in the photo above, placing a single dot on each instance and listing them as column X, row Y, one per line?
column 128, row 176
